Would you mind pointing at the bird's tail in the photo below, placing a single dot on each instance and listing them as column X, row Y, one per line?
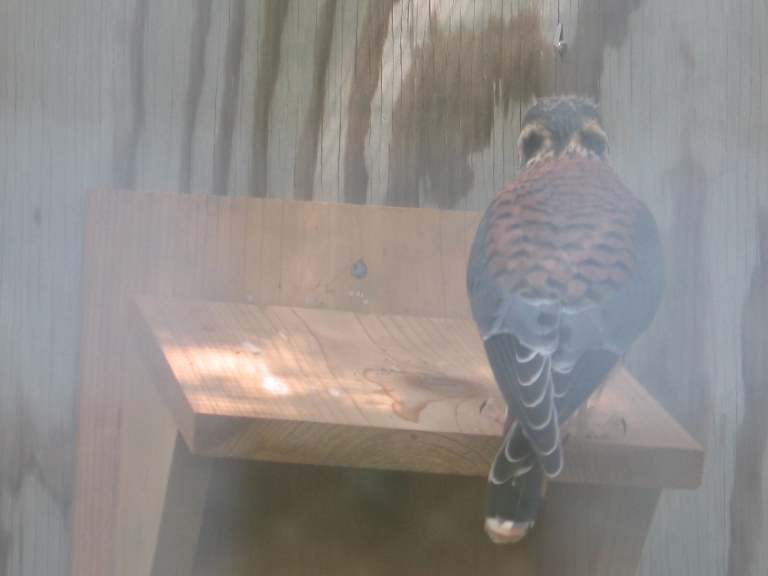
column 514, row 491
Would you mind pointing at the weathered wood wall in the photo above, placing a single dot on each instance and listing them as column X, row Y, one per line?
column 414, row 102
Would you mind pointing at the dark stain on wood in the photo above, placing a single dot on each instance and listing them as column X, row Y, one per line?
column 28, row 450
column 6, row 540
column 306, row 152
column 747, row 523
column 370, row 46
column 127, row 150
column 675, row 370
column 275, row 12
column 198, row 40
column 412, row 390
column 445, row 110
column 688, row 59
column 222, row 151
column 601, row 23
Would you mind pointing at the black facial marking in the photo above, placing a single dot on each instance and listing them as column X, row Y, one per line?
column 531, row 144
column 592, row 141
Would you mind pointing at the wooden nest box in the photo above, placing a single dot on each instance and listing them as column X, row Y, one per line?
column 328, row 334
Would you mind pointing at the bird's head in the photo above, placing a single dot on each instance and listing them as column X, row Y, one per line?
column 560, row 124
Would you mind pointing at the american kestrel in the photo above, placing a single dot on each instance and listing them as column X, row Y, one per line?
column 566, row 270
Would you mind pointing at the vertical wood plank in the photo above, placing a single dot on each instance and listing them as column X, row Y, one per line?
column 291, row 239
column 453, row 257
column 587, row 530
column 199, row 242
column 254, row 251
column 210, row 282
column 271, row 252
column 345, row 291
column 97, row 432
column 237, row 254
column 147, row 440
column 315, row 279
column 185, row 234
column 412, row 252
column 304, row 254
column 746, row 504
column 222, row 272
column 161, row 486
column 182, row 513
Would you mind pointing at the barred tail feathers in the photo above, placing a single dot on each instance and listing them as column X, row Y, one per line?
column 525, row 380
column 514, row 491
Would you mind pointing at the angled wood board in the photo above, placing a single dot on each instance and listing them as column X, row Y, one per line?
column 317, row 386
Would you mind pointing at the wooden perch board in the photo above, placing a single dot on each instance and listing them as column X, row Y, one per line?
column 287, row 257
column 315, row 386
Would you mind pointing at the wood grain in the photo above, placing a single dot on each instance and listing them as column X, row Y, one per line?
column 182, row 512
column 747, row 519
column 146, row 448
column 161, row 486
column 252, row 255
column 311, row 386
column 230, row 250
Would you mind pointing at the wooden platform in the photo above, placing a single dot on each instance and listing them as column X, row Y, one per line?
column 307, row 386
column 236, row 328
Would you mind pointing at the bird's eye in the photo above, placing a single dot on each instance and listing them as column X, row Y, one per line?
column 531, row 144
column 593, row 141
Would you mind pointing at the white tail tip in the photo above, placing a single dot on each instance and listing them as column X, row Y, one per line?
column 506, row 531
